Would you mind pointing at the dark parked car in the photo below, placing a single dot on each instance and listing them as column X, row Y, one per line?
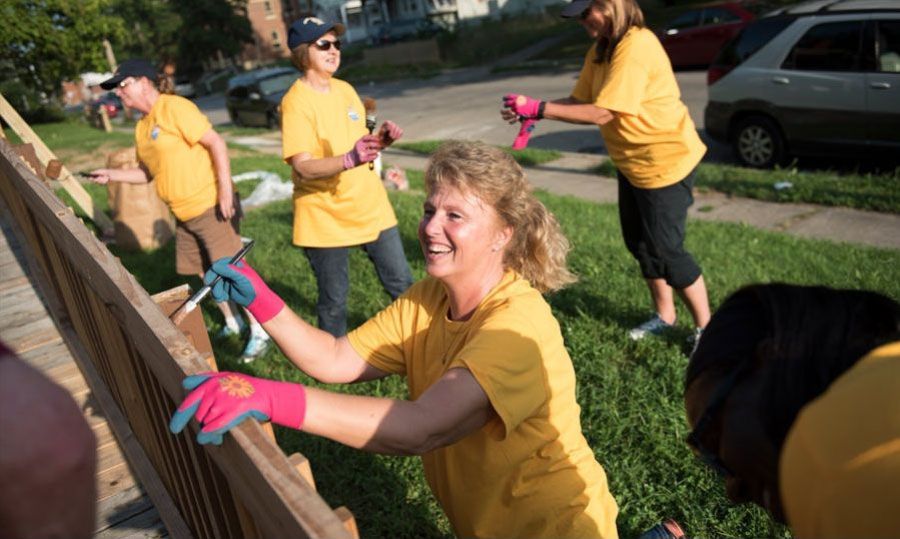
column 108, row 101
column 254, row 97
column 696, row 36
column 406, row 30
column 818, row 78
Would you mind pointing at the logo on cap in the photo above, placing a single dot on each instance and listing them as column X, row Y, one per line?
column 314, row 20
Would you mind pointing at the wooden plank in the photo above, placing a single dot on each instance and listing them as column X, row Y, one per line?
column 280, row 500
column 113, row 480
column 66, row 179
column 145, row 524
column 120, row 507
column 48, row 356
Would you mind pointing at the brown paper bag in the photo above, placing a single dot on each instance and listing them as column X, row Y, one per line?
column 141, row 218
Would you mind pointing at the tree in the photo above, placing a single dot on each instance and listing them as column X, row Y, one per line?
column 215, row 26
column 47, row 41
column 153, row 27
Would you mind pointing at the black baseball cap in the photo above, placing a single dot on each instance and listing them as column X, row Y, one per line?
column 130, row 68
column 309, row 29
column 575, row 8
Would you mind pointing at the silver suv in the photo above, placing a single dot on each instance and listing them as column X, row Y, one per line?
column 811, row 79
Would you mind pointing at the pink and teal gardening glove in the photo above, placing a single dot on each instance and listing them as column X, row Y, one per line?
column 242, row 285
column 526, row 108
column 222, row 400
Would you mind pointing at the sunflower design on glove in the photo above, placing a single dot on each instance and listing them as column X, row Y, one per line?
column 235, row 386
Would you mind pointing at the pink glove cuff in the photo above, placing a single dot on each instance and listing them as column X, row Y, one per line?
column 288, row 404
column 266, row 304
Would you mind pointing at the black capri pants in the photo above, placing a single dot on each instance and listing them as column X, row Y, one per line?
column 653, row 223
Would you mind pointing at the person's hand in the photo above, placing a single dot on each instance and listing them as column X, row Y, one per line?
column 526, row 108
column 388, row 133
column 100, row 175
column 222, row 400
column 242, row 285
column 226, row 202
column 364, row 151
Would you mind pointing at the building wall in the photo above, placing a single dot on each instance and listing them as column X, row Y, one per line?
column 269, row 33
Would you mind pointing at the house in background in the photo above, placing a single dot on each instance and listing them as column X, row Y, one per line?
column 269, row 33
column 364, row 18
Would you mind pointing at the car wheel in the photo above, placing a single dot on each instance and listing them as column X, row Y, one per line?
column 758, row 142
column 236, row 120
column 272, row 121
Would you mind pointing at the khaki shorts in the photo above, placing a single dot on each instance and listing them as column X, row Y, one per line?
column 206, row 238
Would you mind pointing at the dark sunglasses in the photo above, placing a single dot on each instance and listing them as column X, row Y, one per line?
column 324, row 44
column 694, row 439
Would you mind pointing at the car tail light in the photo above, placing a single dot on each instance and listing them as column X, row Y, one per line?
column 716, row 72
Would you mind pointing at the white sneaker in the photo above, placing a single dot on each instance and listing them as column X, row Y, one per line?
column 256, row 346
column 654, row 326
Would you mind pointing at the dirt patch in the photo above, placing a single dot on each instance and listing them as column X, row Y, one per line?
column 77, row 160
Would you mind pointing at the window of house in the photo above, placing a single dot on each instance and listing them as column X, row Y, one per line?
column 276, row 40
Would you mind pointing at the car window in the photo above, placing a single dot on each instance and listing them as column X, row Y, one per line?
column 717, row 15
column 834, row 46
column 686, row 20
column 751, row 39
column 889, row 46
column 276, row 84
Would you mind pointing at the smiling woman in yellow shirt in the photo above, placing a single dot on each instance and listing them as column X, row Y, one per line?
column 491, row 404
column 628, row 89
column 178, row 149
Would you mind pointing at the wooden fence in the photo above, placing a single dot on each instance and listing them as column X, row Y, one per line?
column 134, row 359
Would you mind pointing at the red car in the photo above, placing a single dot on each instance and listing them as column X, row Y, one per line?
column 695, row 37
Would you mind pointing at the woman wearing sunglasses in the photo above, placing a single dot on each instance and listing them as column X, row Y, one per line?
column 793, row 395
column 628, row 89
column 339, row 202
column 178, row 149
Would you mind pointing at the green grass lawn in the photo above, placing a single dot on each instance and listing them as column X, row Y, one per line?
column 875, row 192
column 630, row 393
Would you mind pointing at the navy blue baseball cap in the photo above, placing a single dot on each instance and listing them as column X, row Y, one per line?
column 575, row 8
column 309, row 29
column 136, row 67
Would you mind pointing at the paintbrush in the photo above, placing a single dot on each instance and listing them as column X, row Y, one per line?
column 191, row 304
column 371, row 120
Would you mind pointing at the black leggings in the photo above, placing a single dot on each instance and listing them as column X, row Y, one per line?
column 653, row 222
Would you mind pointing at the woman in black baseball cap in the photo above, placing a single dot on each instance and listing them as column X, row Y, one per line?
column 188, row 162
column 339, row 201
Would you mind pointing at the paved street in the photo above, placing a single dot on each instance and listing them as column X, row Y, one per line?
column 466, row 103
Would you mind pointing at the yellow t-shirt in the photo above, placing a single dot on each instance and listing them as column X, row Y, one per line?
column 528, row 472
column 840, row 464
column 351, row 207
column 652, row 140
column 167, row 144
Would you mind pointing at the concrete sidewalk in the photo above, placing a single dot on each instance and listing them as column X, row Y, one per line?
column 571, row 175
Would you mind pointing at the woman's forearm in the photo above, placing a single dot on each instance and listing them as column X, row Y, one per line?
column 572, row 111
column 314, row 169
column 316, row 352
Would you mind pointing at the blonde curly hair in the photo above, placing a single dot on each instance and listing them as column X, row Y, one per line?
column 538, row 248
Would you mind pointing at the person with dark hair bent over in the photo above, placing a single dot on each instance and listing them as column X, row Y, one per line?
column 793, row 395
column 627, row 88
column 491, row 407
